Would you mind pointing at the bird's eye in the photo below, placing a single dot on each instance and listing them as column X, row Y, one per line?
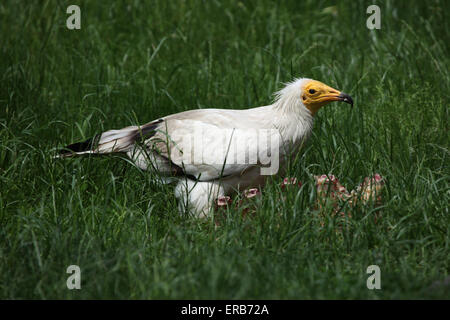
column 312, row 91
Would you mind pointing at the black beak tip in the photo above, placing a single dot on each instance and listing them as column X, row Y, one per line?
column 346, row 98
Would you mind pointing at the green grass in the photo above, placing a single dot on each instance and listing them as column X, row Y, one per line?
column 134, row 61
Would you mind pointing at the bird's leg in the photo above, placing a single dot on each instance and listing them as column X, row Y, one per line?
column 197, row 197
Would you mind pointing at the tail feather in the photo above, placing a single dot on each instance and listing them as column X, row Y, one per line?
column 112, row 141
column 79, row 148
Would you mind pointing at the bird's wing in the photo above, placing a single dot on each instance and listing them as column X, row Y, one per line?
column 204, row 144
column 211, row 143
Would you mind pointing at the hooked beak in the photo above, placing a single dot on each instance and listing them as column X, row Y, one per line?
column 335, row 95
column 317, row 95
column 345, row 98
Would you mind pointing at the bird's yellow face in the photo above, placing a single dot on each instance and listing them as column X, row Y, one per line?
column 316, row 94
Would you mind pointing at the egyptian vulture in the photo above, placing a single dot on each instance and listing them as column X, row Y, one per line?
column 214, row 152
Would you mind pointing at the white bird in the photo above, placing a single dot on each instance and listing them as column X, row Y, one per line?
column 215, row 152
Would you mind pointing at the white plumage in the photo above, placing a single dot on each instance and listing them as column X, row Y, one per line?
column 215, row 152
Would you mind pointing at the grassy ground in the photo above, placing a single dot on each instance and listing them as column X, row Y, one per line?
column 134, row 61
